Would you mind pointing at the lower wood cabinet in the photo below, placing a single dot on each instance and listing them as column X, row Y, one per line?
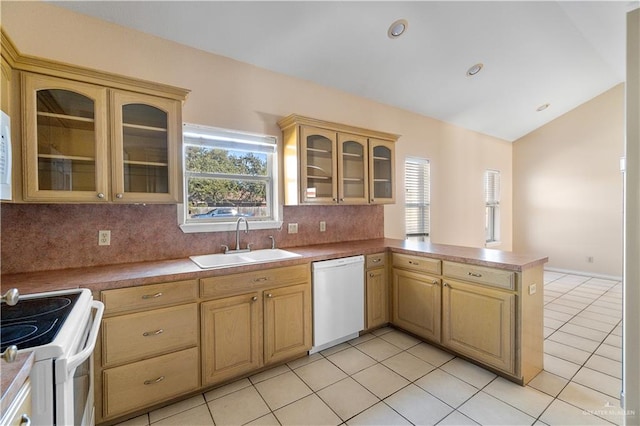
column 416, row 303
column 139, row 384
column 376, row 292
column 479, row 322
column 287, row 322
column 231, row 337
column 241, row 333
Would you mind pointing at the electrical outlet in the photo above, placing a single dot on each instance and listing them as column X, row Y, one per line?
column 293, row 228
column 104, row 238
column 532, row 289
column 323, row 226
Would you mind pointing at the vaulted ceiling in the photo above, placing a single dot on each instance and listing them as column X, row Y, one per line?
column 533, row 53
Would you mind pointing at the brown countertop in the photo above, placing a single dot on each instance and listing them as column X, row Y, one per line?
column 100, row 278
column 13, row 376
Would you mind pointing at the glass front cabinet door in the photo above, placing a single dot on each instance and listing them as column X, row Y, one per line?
column 382, row 172
column 352, row 169
column 79, row 150
column 317, row 168
column 65, row 126
column 145, row 159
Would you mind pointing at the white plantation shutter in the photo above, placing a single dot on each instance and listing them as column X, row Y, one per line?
column 492, row 205
column 417, row 198
column 492, row 187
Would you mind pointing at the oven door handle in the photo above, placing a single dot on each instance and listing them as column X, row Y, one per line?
column 77, row 359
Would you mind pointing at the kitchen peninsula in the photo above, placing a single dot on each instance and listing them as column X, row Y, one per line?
column 485, row 305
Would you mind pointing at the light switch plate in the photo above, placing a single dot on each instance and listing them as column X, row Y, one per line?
column 292, row 228
column 532, row 289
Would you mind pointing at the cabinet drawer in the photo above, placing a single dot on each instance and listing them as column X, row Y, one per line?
column 149, row 296
column 479, row 274
column 376, row 260
column 416, row 263
column 135, row 336
column 229, row 285
column 138, row 385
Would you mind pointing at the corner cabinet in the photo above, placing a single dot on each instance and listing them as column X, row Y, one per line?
column 330, row 163
column 90, row 143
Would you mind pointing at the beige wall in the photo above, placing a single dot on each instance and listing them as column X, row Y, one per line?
column 568, row 187
column 230, row 94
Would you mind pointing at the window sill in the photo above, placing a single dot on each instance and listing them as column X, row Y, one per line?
column 493, row 244
column 191, row 228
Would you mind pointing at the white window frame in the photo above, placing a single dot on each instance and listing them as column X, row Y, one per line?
column 194, row 134
column 423, row 194
column 492, row 207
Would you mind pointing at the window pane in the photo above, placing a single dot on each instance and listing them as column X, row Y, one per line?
column 220, row 198
column 417, row 198
column 222, row 161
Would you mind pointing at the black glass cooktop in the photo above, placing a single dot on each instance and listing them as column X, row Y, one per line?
column 34, row 322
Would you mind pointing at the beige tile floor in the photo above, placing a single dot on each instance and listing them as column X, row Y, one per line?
column 390, row 378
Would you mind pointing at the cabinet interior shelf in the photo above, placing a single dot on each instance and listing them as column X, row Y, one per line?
column 145, row 163
column 322, row 151
column 348, row 154
column 382, row 158
column 318, row 177
column 141, row 127
column 353, row 179
column 382, row 180
column 65, row 157
column 65, row 117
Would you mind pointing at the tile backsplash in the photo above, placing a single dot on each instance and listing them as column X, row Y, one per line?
column 37, row 237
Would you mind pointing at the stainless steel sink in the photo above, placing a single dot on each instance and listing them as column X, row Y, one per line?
column 221, row 260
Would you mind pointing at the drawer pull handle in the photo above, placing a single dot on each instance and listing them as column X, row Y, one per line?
column 254, row 298
column 25, row 420
column 411, row 262
column 153, row 333
column 475, row 275
column 261, row 279
column 152, row 296
column 153, row 382
column 376, row 260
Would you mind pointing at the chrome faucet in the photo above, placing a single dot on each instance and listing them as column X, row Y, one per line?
column 246, row 231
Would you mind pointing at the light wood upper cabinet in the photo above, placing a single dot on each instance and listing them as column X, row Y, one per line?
column 353, row 181
column 381, row 172
column 330, row 163
column 146, row 133
column 318, row 166
column 67, row 140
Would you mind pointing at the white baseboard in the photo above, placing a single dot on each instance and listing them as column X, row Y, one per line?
column 583, row 273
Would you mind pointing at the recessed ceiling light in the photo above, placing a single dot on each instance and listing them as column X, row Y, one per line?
column 475, row 69
column 397, row 28
column 543, row 107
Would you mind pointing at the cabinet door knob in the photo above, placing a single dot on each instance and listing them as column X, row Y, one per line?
column 254, row 298
column 269, row 295
column 119, row 195
column 100, row 195
column 445, row 285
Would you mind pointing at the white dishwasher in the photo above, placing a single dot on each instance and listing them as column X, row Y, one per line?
column 338, row 301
